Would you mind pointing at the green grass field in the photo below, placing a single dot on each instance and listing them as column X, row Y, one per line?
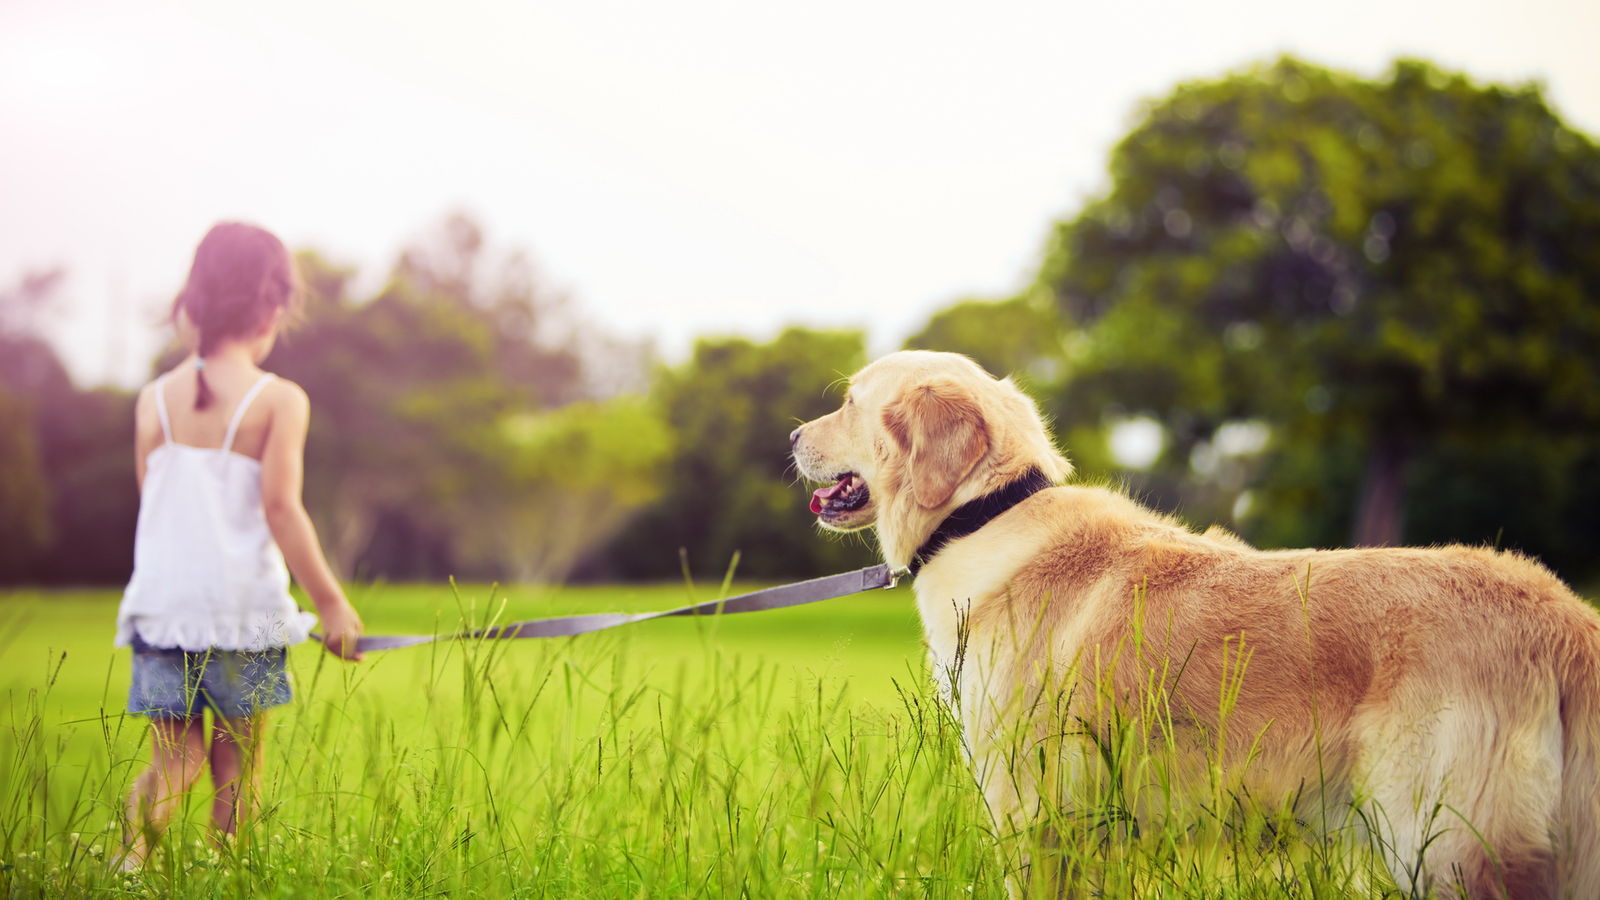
column 797, row 753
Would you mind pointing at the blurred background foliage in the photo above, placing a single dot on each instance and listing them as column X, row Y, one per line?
column 1395, row 280
column 730, row 488
column 1319, row 309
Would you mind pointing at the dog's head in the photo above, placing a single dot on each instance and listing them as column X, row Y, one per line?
column 919, row 434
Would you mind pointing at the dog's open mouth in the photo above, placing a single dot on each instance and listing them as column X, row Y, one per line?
column 847, row 494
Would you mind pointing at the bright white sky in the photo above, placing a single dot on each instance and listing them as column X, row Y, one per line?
column 680, row 168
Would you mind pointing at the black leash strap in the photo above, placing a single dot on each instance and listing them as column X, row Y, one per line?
column 797, row 594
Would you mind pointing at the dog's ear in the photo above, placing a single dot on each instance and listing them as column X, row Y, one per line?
column 943, row 434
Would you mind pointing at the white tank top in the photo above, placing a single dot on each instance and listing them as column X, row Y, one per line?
column 206, row 572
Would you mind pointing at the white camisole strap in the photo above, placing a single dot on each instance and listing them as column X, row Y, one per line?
column 161, row 408
column 244, row 404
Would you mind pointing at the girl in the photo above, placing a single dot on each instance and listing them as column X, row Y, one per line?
column 219, row 447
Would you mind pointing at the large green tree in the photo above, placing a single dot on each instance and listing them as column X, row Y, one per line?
column 1375, row 268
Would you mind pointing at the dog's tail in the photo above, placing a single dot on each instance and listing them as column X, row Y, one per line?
column 1579, row 834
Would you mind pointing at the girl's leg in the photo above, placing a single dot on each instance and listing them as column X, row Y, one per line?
column 236, row 769
column 178, row 753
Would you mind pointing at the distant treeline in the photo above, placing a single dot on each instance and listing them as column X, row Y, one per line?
column 1358, row 311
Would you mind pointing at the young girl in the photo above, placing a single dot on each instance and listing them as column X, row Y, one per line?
column 219, row 448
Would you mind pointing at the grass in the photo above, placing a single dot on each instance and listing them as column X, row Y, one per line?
column 798, row 753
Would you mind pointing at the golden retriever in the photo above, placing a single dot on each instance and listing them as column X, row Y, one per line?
column 1446, row 702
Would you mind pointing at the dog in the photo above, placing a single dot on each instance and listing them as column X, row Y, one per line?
column 1445, row 702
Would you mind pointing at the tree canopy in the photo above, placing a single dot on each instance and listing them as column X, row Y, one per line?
column 443, row 408
column 1381, row 267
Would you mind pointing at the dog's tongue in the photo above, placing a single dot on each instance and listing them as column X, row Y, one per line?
column 821, row 495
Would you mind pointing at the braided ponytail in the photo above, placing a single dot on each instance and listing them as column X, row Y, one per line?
column 241, row 275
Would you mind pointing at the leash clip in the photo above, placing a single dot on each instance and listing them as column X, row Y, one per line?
column 895, row 575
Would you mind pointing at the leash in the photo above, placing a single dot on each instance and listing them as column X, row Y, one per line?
column 798, row 594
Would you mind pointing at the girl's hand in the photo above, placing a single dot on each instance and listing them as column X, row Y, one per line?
column 340, row 628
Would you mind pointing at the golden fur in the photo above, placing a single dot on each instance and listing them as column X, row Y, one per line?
column 1418, row 690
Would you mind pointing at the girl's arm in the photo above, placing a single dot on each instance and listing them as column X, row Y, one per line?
column 282, row 479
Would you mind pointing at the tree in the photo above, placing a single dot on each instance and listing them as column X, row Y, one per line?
column 440, row 408
column 730, row 487
column 1022, row 336
column 24, row 494
column 533, row 332
column 87, row 446
column 33, row 383
column 1387, row 266
column 406, row 400
column 577, row 474
column 68, row 499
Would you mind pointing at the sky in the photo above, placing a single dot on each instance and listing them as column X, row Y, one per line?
column 679, row 169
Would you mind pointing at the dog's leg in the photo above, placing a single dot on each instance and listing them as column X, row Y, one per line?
column 1028, row 826
column 1463, row 799
column 1036, row 769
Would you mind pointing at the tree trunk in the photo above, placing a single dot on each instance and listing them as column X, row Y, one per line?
column 1380, row 518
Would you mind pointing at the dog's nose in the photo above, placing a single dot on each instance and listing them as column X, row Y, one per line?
column 794, row 437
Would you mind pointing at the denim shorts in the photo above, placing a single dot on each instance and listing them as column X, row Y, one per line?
column 173, row 683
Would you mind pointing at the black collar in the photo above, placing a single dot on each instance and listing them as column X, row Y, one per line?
column 975, row 514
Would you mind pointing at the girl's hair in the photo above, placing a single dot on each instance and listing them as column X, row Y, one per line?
column 241, row 275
